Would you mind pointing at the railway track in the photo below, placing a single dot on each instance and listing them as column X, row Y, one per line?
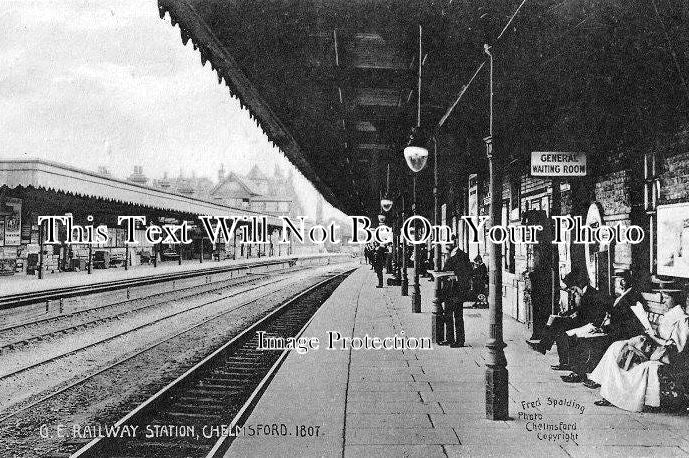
column 50, row 395
column 219, row 390
column 143, row 326
column 21, row 335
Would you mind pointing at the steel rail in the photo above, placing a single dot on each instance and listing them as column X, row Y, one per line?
column 94, row 445
column 128, row 331
column 245, row 410
column 152, row 346
column 214, row 287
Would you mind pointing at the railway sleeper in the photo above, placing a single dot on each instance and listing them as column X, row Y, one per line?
column 241, row 370
column 229, row 365
column 208, row 400
column 196, row 415
column 232, row 370
column 150, row 448
column 222, row 378
column 243, row 357
column 209, row 391
column 217, row 408
column 250, row 359
column 223, row 386
column 244, row 362
column 238, row 380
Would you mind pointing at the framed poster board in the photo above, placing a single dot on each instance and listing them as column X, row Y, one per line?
column 473, row 211
column 673, row 240
column 13, row 221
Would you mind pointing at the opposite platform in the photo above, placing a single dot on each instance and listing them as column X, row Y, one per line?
column 432, row 402
column 16, row 284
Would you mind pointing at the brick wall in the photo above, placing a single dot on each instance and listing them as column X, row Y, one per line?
column 674, row 179
column 612, row 191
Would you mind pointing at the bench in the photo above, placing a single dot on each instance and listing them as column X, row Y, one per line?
column 657, row 304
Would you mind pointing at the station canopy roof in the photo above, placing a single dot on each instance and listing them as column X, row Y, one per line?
column 333, row 82
column 61, row 178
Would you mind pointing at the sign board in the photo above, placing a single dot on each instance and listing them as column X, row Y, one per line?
column 473, row 211
column 558, row 164
column 11, row 232
column 673, row 240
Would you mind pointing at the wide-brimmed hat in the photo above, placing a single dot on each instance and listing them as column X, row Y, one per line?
column 622, row 271
column 571, row 279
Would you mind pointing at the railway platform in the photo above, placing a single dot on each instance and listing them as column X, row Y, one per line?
column 27, row 298
column 430, row 403
column 16, row 284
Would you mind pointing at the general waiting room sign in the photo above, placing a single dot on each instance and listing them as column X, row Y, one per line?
column 549, row 164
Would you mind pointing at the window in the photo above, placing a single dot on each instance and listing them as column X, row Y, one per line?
column 545, row 205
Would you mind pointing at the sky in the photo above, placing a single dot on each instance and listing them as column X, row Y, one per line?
column 91, row 83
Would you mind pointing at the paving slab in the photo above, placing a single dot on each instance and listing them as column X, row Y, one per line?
column 499, row 449
column 395, row 451
column 430, row 403
column 287, row 400
column 624, row 451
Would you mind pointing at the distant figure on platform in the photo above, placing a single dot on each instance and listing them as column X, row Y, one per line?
column 368, row 253
column 379, row 257
column 430, row 261
column 455, row 295
column 590, row 311
column 423, row 253
column 479, row 279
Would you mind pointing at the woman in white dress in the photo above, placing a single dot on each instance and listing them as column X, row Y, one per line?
column 638, row 385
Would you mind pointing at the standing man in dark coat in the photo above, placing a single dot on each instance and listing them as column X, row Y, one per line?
column 591, row 309
column 453, row 303
column 379, row 256
column 371, row 254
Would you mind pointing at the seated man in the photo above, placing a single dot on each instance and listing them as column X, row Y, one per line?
column 583, row 351
column 590, row 311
